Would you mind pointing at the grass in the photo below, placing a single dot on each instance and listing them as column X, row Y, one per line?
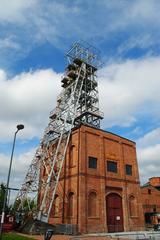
column 14, row 236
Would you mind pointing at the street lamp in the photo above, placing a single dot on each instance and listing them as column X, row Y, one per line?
column 19, row 127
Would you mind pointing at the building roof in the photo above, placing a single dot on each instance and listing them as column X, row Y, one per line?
column 148, row 185
column 102, row 130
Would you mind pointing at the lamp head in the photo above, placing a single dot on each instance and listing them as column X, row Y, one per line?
column 20, row 126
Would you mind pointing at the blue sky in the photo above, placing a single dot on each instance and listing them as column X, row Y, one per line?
column 34, row 36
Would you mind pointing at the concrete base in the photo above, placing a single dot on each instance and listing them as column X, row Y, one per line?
column 141, row 235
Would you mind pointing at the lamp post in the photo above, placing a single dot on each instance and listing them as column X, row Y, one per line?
column 19, row 127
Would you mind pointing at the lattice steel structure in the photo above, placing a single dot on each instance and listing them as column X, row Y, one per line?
column 78, row 103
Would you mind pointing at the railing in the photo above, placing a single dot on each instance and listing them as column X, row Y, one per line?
column 136, row 235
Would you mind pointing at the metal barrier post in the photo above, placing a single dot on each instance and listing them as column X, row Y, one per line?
column 48, row 234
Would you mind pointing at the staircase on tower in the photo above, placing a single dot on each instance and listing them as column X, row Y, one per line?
column 77, row 104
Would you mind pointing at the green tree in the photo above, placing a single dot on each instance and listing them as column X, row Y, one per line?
column 2, row 194
column 27, row 205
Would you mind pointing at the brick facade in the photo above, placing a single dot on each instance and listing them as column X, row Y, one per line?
column 88, row 193
column 150, row 193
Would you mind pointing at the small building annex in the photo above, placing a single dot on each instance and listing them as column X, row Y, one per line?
column 151, row 201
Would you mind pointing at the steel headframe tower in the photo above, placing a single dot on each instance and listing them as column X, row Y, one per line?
column 78, row 103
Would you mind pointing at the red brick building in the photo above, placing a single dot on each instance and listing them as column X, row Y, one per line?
column 99, row 188
column 150, row 193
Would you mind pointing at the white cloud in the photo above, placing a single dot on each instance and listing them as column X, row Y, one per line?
column 19, row 169
column 14, row 11
column 27, row 98
column 150, row 139
column 149, row 161
column 9, row 43
column 143, row 11
column 143, row 41
column 148, row 152
column 55, row 21
column 130, row 89
column 19, row 166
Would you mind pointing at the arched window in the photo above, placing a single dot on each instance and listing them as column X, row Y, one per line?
column 56, row 206
column 70, row 204
column 92, row 204
column 132, row 206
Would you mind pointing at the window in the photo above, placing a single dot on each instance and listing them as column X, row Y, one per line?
column 129, row 169
column 70, row 204
column 148, row 218
column 149, row 191
column 111, row 166
column 92, row 204
column 71, row 155
column 56, row 207
column 154, row 209
column 132, row 206
column 92, row 162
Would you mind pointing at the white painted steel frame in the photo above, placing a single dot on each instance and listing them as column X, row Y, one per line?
column 77, row 104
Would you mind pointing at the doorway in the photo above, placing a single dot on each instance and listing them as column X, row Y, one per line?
column 114, row 213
